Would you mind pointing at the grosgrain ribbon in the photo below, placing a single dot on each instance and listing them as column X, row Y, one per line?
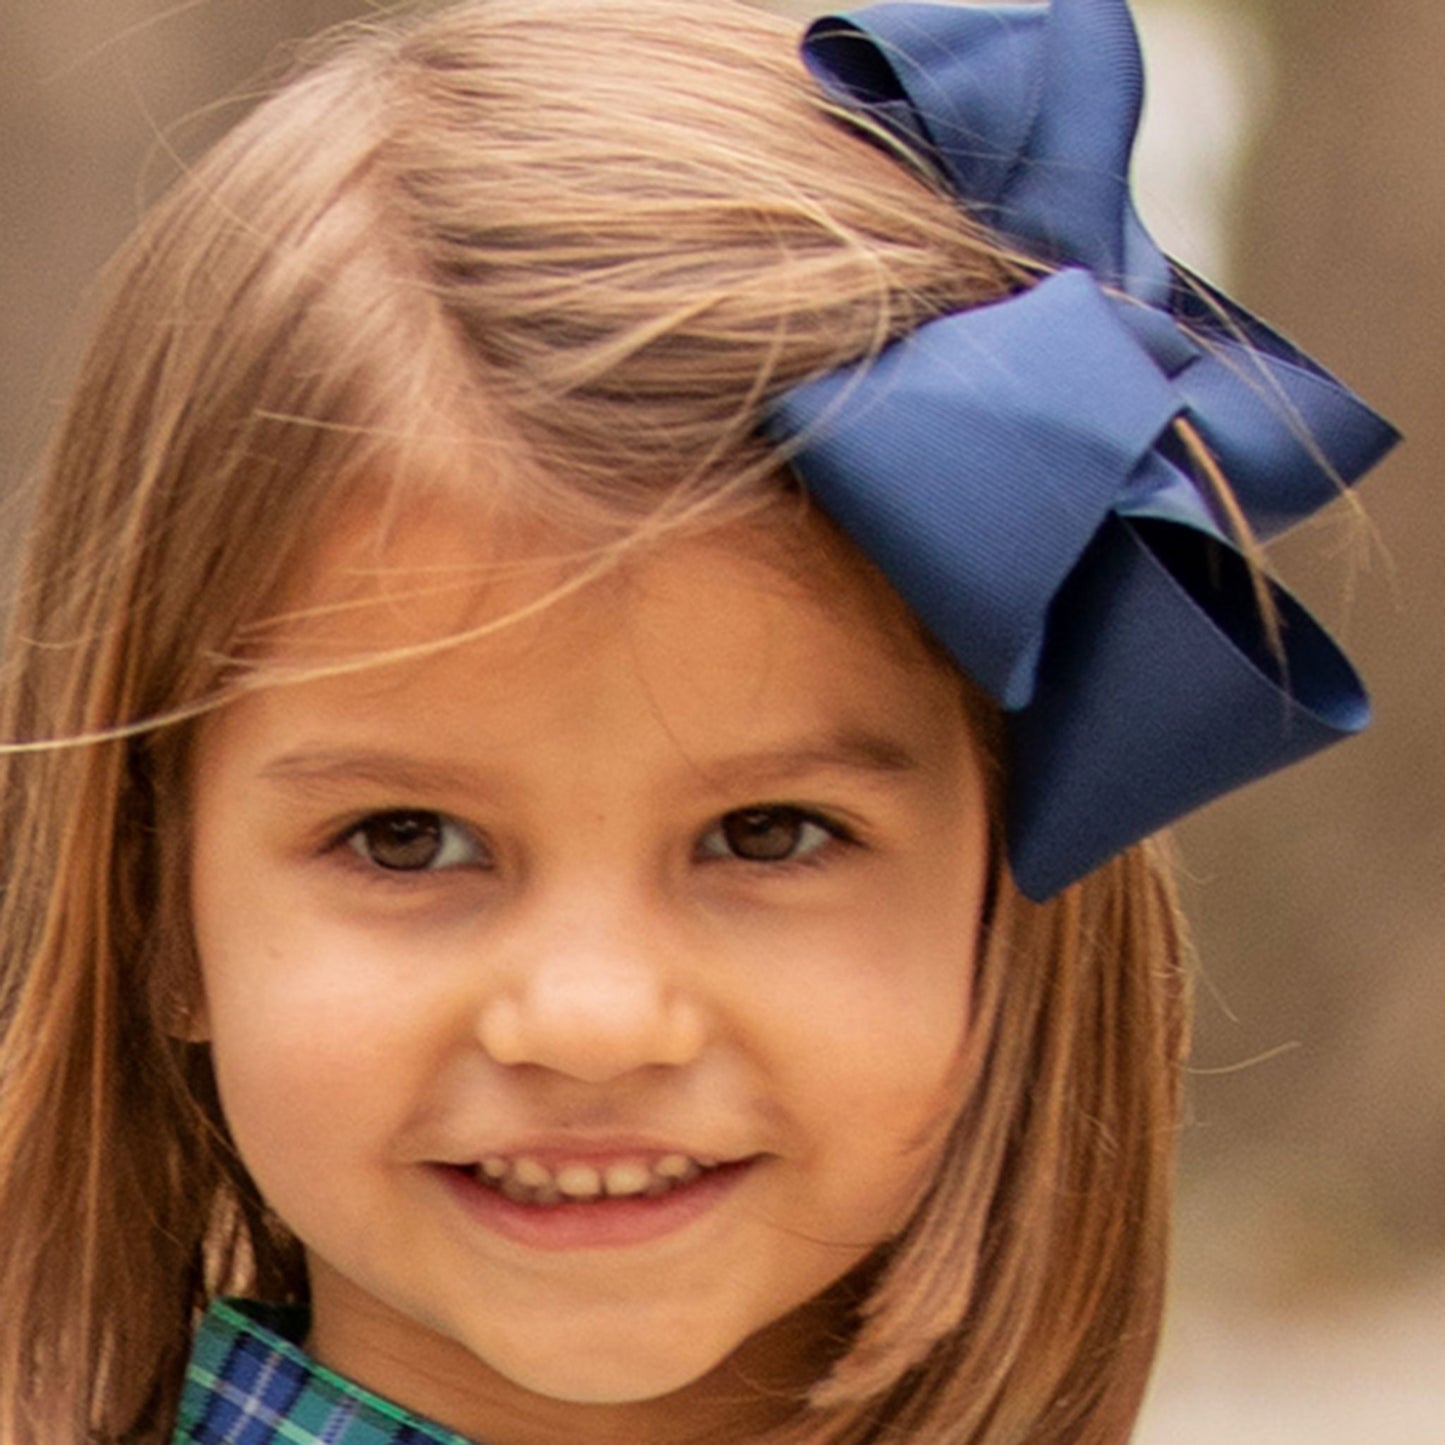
column 1014, row 470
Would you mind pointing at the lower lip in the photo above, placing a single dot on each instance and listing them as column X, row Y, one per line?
column 598, row 1224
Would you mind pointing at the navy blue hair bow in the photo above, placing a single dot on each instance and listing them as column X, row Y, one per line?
column 1016, row 472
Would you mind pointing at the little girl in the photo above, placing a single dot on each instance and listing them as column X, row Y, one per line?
column 598, row 644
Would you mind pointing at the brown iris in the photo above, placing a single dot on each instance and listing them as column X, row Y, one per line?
column 401, row 841
column 764, row 835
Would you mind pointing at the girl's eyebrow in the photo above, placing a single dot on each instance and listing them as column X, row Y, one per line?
column 847, row 750
column 324, row 770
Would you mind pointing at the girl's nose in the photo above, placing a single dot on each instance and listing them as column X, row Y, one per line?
column 592, row 1011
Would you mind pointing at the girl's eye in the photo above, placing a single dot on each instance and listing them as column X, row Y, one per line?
column 413, row 842
column 769, row 835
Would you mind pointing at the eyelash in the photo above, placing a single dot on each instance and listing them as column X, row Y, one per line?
column 823, row 835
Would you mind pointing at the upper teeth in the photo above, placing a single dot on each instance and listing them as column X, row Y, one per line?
column 530, row 1181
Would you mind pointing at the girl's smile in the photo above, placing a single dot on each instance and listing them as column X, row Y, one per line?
column 589, row 996
column 620, row 1199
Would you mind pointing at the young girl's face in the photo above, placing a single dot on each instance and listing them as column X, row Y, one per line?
column 661, row 902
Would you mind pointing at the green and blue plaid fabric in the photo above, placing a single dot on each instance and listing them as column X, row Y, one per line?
column 250, row 1383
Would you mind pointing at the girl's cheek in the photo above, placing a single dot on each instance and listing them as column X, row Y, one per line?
column 300, row 1019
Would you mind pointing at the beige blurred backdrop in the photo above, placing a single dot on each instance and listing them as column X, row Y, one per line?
column 1299, row 145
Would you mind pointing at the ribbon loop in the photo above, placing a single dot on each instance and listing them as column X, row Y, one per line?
column 992, row 417
column 1015, row 470
column 1159, row 691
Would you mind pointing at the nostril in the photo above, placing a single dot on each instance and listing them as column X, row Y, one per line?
column 501, row 1031
column 686, row 1032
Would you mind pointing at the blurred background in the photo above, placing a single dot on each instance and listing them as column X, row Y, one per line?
column 1295, row 153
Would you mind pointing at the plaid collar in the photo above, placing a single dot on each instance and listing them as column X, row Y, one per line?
column 250, row 1383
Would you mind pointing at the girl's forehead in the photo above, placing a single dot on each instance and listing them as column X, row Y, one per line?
column 692, row 652
column 417, row 577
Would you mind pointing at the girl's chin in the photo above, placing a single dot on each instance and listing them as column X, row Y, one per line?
column 604, row 1368
column 773, row 1366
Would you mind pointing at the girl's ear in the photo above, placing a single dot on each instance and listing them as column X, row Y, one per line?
column 190, row 1025
column 183, row 1016
column 178, row 1000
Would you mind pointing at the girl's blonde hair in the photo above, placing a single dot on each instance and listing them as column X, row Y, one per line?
column 585, row 242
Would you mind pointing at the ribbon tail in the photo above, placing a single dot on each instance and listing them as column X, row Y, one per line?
column 1289, row 435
